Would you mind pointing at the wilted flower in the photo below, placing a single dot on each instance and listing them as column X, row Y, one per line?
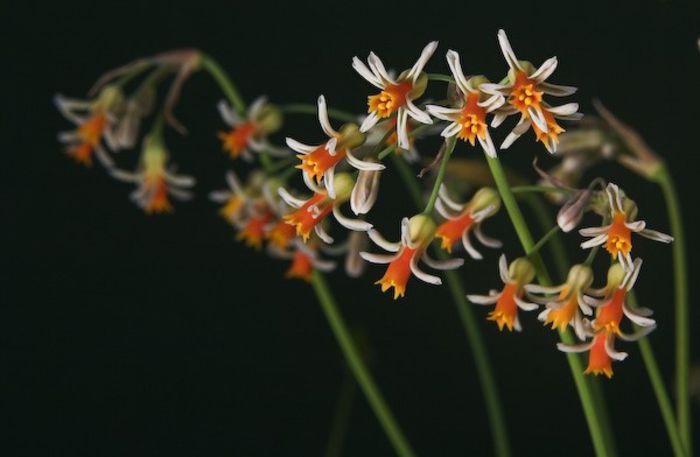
column 397, row 95
column 525, row 87
column 416, row 235
column 516, row 279
column 469, row 119
column 617, row 236
column 95, row 121
column 250, row 133
column 468, row 217
column 155, row 183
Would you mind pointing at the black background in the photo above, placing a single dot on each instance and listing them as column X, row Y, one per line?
column 122, row 334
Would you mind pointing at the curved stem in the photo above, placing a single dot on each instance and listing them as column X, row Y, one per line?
column 540, row 189
column 440, row 77
column 359, row 370
column 664, row 179
column 227, row 87
column 449, row 147
column 523, row 232
column 545, row 238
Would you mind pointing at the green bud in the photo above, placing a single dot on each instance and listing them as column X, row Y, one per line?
column 350, row 136
column 269, row 119
column 483, row 198
column 421, row 229
column 521, row 271
column 580, row 277
column 615, row 276
column 419, row 86
column 343, row 184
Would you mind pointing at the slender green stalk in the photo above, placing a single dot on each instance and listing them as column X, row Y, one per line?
column 440, row 77
column 409, row 179
column 585, row 394
column 303, row 108
column 547, row 236
column 657, row 384
column 664, row 179
column 359, row 370
column 540, row 189
column 447, row 153
column 341, row 418
column 227, row 87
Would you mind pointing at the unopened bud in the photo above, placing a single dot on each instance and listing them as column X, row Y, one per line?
column 521, row 271
column 580, row 277
column 572, row 211
column 421, row 229
column 354, row 263
column 268, row 119
column 483, row 198
column 615, row 276
column 365, row 192
column 343, row 185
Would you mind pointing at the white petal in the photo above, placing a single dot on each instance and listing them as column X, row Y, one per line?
column 456, row 69
column 321, row 232
column 442, row 112
column 401, row 128
column 538, row 289
column 503, row 268
column 564, row 110
column 323, row 117
column 423, row 276
column 538, row 118
column 656, row 236
column 357, row 225
column 594, row 231
column 300, row 147
column 521, row 127
column 597, row 241
column 545, row 70
column 366, row 73
column 640, row 333
column 637, row 318
column 451, row 130
column 631, row 277
column 615, row 355
column 425, row 55
column 442, row 210
column 448, row 264
column 487, row 145
column 483, row 299
column 466, row 242
column 382, row 242
column 289, row 199
column 525, row 306
column 328, row 180
column 556, row 90
column 103, row 157
column 362, row 165
column 218, row 196
column 369, row 122
column 508, row 51
column 375, row 63
column 574, row 347
column 230, row 117
column 485, row 240
column 445, row 197
column 378, row 258
column 417, row 114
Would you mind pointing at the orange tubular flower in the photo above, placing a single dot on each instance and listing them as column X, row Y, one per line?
column 95, row 121
column 155, row 183
column 319, row 162
column 515, row 278
column 468, row 218
column 416, row 235
column 397, row 95
column 617, row 236
column 469, row 119
column 253, row 230
column 250, row 133
column 525, row 88
column 281, row 234
column 234, row 200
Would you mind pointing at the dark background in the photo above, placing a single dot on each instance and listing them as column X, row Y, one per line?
column 122, row 334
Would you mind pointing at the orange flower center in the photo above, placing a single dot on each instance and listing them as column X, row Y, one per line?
column 236, row 140
column 452, row 229
column 525, row 94
column 281, row 234
column 318, row 161
column 398, row 272
column 598, row 358
column 81, row 153
column 553, row 129
column 254, row 230
column 232, row 208
column 506, row 309
column 309, row 214
column 472, row 119
column 619, row 236
column 301, row 267
column 91, row 130
column 561, row 316
column 158, row 201
column 385, row 103
column 610, row 314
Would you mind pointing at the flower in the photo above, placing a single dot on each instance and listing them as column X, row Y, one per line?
column 235, row 199
column 319, row 162
column 250, row 133
column 617, row 236
column 416, row 235
column 397, row 95
column 516, row 278
column 311, row 212
column 95, row 121
column 154, row 182
column 525, row 87
column 252, row 231
column 469, row 119
column 484, row 204
column 365, row 191
column 565, row 307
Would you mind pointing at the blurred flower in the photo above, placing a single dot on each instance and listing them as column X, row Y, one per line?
column 416, row 235
column 525, row 87
column 469, row 119
column 617, row 236
column 469, row 216
column 250, row 133
column 516, row 278
column 397, row 95
column 155, row 183
column 234, row 199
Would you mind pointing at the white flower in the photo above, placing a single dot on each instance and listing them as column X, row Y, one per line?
column 250, row 133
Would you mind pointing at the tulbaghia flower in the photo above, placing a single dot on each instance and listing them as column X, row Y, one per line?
column 311, row 212
column 305, row 260
column 319, row 162
column 155, row 183
column 566, row 307
column 617, row 236
column 397, row 95
column 416, row 235
column 234, row 199
column 516, row 278
column 524, row 88
column 469, row 119
column 95, row 120
column 462, row 219
column 250, row 133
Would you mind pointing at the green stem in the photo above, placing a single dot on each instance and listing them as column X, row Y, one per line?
column 449, row 147
column 305, row 108
column 341, row 418
column 409, row 179
column 657, row 384
column 547, row 236
column 440, row 77
column 664, row 179
column 540, row 189
column 523, row 232
column 359, row 370
column 224, row 82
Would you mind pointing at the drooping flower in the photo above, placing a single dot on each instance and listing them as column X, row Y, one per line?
column 155, row 183
column 234, row 199
column 462, row 219
column 416, row 235
column 516, row 279
column 565, row 303
column 250, row 133
column 525, row 88
column 319, row 162
column 469, row 118
column 617, row 236
column 397, row 95
column 95, row 120
column 311, row 212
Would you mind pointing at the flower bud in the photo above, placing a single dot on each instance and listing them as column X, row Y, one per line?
column 354, row 263
column 350, row 136
column 521, row 271
column 110, row 99
column 572, row 211
column 615, row 276
column 269, row 119
column 127, row 129
column 421, row 229
column 343, row 185
column 483, row 198
column 580, row 277
column 419, row 86
column 364, row 194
